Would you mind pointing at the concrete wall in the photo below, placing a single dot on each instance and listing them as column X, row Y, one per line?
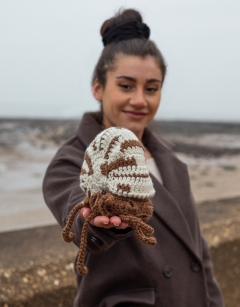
column 36, row 267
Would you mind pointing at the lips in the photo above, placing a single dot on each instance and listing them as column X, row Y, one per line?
column 135, row 115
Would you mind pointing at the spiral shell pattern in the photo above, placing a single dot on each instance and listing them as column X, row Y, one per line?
column 115, row 162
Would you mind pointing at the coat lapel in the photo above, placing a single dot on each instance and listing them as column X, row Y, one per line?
column 89, row 127
column 172, row 196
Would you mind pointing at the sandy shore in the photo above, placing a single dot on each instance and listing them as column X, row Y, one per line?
column 21, row 200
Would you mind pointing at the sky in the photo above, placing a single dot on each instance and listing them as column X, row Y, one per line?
column 48, row 51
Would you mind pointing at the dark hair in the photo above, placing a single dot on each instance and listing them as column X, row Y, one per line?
column 138, row 46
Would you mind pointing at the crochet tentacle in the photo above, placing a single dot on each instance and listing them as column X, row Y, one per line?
column 83, row 270
column 141, row 230
column 94, row 201
column 69, row 236
column 141, row 236
column 105, row 203
column 146, row 229
column 137, row 223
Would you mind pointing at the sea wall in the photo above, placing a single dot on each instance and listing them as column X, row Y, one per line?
column 36, row 266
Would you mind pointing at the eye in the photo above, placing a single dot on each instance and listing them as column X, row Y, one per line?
column 125, row 86
column 152, row 89
column 131, row 203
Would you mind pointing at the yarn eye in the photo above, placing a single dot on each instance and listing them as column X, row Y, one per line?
column 131, row 203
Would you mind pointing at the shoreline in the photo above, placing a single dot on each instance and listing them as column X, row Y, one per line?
column 27, row 147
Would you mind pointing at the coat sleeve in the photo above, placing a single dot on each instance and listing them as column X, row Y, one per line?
column 215, row 295
column 62, row 192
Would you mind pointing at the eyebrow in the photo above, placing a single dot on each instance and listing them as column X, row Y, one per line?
column 134, row 80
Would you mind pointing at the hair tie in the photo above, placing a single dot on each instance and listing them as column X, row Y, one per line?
column 125, row 31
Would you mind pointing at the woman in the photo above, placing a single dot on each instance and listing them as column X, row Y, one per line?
column 123, row 271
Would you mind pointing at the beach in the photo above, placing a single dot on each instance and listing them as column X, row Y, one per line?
column 211, row 151
column 38, row 269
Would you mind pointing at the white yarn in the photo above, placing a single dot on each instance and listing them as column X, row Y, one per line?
column 126, row 176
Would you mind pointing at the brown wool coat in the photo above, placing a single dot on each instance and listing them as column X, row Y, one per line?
column 177, row 272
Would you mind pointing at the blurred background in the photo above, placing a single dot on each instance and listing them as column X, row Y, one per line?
column 48, row 52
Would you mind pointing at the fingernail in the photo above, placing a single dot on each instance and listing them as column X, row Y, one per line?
column 116, row 225
column 106, row 223
column 84, row 214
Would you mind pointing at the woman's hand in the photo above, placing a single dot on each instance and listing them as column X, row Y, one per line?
column 103, row 221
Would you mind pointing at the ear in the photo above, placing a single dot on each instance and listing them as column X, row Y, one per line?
column 97, row 90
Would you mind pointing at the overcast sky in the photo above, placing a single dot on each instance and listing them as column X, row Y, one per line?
column 48, row 50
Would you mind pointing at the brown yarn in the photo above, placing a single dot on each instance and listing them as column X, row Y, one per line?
column 133, row 211
column 123, row 187
column 121, row 162
column 89, row 164
column 132, row 175
column 94, row 146
column 131, row 143
column 110, row 146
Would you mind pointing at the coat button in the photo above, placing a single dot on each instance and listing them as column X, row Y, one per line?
column 195, row 266
column 167, row 271
column 96, row 240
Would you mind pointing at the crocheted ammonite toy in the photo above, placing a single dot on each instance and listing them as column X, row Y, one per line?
column 117, row 183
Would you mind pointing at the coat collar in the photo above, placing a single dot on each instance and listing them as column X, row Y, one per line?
column 89, row 127
column 170, row 200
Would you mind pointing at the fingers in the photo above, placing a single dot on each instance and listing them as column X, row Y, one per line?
column 103, row 221
column 124, row 225
column 118, row 223
column 85, row 212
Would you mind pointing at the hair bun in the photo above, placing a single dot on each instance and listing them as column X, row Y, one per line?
column 120, row 18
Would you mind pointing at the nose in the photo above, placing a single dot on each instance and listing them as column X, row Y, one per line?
column 138, row 99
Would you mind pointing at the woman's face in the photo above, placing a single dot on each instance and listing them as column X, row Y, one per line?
column 132, row 93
